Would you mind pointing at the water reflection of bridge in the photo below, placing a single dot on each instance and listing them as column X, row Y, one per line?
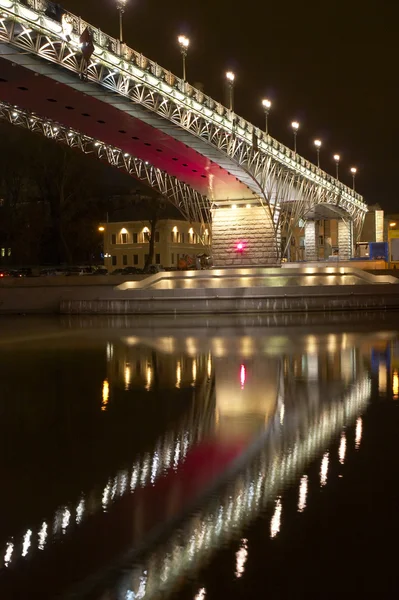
column 262, row 405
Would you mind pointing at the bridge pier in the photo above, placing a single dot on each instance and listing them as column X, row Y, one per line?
column 311, row 242
column 345, row 237
column 244, row 236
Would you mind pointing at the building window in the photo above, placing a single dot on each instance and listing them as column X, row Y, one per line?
column 178, row 237
column 3, row 252
column 124, row 260
column 157, row 236
column 135, row 259
column 172, row 258
column 182, row 238
column 113, row 238
column 321, row 240
column 9, row 252
column 146, row 236
column 157, row 259
column 135, row 238
column 172, row 237
column 146, row 257
column 123, row 238
column 114, row 261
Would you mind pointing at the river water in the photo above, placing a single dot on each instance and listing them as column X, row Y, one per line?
column 244, row 457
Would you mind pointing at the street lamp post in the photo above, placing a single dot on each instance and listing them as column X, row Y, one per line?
column 353, row 171
column 337, row 158
column 184, row 43
column 230, row 81
column 295, row 127
column 121, row 5
column 317, row 143
column 266, row 106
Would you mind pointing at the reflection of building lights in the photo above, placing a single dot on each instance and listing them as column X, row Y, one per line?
column 201, row 594
column 324, row 470
column 395, row 384
column 128, row 376
column 241, row 558
column 303, row 492
column 243, row 376
column 382, row 378
column 194, row 371
column 65, row 520
column 342, row 449
column 332, row 343
column 209, row 366
column 311, row 344
column 105, row 395
column 359, row 429
column 178, row 374
column 276, row 519
column 149, row 378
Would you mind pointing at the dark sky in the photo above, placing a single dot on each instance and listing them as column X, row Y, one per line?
column 333, row 66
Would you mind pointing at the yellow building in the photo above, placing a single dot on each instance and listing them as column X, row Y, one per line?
column 392, row 237
column 126, row 243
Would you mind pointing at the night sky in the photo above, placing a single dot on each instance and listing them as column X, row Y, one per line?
column 331, row 66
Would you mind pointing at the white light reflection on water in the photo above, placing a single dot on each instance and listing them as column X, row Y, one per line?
column 359, row 431
column 27, row 542
column 80, row 511
column 241, row 558
column 303, row 492
column 8, row 554
column 342, row 448
column 201, row 594
column 42, row 537
column 276, row 519
column 66, row 517
column 324, row 470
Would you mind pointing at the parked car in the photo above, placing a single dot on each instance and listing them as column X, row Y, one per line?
column 152, row 269
column 132, row 271
column 117, row 272
column 100, row 271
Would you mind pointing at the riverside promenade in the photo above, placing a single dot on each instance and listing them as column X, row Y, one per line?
column 217, row 291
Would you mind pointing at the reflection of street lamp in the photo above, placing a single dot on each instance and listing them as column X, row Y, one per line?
column 266, row 105
column 337, row 158
column 317, row 143
column 353, row 171
column 184, row 43
column 121, row 5
column 392, row 224
column 295, row 127
column 230, row 81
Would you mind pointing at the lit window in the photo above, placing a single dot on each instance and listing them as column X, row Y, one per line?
column 3, row 252
column 146, row 236
column 8, row 251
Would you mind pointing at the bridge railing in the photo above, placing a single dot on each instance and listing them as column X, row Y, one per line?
column 224, row 116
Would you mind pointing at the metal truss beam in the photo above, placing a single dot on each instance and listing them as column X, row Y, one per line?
column 192, row 205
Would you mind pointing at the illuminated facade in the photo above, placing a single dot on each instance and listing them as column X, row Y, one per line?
column 126, row 244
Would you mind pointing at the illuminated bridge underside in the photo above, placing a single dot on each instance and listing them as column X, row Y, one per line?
column 191, row 204
column 218, row 153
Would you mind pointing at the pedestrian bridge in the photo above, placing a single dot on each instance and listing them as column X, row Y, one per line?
column 73, row 83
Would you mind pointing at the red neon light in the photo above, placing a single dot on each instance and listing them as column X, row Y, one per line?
column 240, row 246
column 243, row 375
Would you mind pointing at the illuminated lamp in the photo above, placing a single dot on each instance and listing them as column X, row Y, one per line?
column 240, row 246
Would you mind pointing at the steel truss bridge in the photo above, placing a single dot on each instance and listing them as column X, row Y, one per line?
column 225, row 158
